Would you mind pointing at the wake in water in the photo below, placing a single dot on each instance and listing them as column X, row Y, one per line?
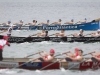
column 45, row 42
column 10, row 71
column 7, row 71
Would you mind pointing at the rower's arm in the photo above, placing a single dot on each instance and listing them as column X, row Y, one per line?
column 42, row 34
column 92, row 54
column 28, row 24
column 98, row 59
column 80, row 58
column 56, row 23
column 61, row 34
column 71, row 54
column 43, row 23
column 15, row 23
column 77, row 59
column 41, row 55
column 45, row 53
column 3, row 24
column 66, row 53
column 34, row 35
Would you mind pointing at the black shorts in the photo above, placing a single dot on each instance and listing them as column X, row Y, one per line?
column 94, row 59
column 68, row 59
column 1, row 57
column 41, row 59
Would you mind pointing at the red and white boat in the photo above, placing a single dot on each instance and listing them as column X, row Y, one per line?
column 23, row 63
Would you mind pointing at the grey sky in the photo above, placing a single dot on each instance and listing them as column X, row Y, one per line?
column 49, row 0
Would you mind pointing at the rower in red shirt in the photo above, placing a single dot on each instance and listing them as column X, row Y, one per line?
column 77, row 56
column 47, row 57
column 3, row 42
column 95, row 57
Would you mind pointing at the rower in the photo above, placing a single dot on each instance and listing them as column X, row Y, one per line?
column 96, row 20
column 9, row 29
column 43, row 34
column 96, row 34
column 77, row 56
column 46, row 34
column 44, row 23
column 93, row 34
column 95, row 57
column 57, row 23
column 47, row 57
column 19, row 25
column 3, row 42
column 79, row 35
column 62, row 34
column 7, row 24
column 32, row 24
column 81, row 22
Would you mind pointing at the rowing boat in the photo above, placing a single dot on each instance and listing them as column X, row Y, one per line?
column 16, row 62
column 52, row 39
column 84, row 26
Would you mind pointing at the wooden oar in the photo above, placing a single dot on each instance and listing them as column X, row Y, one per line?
column 53, row 62
column 33, row 54
column 81, row 61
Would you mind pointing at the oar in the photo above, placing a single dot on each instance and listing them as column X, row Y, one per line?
column 81, row 61
column 51, row 34
column 32, row 35
column 33, row 54
column 69, row 35
column 87, row 34
column 53, row 62
column 89, row 53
